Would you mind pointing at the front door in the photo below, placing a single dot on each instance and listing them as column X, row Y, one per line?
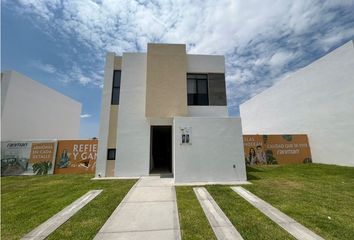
column 161, row 149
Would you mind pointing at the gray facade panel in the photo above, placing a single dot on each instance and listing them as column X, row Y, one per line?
column 217, row 89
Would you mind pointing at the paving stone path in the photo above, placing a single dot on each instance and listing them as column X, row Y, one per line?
column 221, row 225
column 49, row 226
column 148, row 211
column 290, row 225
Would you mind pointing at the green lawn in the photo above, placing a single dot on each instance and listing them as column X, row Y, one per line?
column 27, row 201
column 319, row 196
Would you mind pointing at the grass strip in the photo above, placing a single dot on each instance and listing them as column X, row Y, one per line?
column 249, row 222
column 193, row 222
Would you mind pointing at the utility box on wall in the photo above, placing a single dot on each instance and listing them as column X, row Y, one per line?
column 186, row 135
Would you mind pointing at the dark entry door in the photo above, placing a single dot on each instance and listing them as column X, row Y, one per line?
column 161, row 149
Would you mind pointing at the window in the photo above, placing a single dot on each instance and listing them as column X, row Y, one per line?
column 111, row 154
column 197, row 89
column 116, row 87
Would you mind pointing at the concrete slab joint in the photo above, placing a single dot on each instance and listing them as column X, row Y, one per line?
column 219, row 222
column 49, row 226
column 287, row 223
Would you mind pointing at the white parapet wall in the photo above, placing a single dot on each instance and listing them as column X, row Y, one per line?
column 317, row 100
column 215, row 153
column 205, row 63
column 208, row 111
column 31, row 110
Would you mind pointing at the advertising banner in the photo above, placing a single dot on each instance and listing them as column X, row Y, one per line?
column 76, row 156
column 276, row 149
column 27, row 157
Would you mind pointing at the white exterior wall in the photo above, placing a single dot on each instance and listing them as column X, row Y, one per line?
column 317, row 100
column 104, row 117
column 133, row 131
column 30, row 110
column 216, row 146
column 205, row 63
column 208, row 111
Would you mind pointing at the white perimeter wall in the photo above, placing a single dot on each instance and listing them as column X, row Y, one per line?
column 30, row 110
column 208, row 111
column 133, row 131
column 216, row 146
column 317, row 100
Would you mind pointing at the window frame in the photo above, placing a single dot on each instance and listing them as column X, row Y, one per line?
column 116, row 88
column 196, row 95
column 108, row 153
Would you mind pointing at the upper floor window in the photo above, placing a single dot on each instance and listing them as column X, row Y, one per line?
column 197, row 89
column 116, row 87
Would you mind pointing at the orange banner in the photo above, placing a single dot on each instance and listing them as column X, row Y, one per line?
column 76, row 156
column 276, row 149
column 42, row 152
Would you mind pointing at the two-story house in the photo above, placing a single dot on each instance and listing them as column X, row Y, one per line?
column 165, row 111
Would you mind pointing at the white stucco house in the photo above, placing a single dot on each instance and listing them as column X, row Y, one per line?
column 317, row 100
column 165, row 112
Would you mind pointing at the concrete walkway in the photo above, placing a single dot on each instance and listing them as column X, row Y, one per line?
column 49, row 226
column 148, row 211
column 221, row 225
column 283, row 220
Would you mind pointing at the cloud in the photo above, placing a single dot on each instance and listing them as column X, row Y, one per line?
column 262, row 40
column 42, row 8
column 281, row 58
column 43, row 66
column 80, row 75
column 84, row 79
column 86, row 115
column 335, row 36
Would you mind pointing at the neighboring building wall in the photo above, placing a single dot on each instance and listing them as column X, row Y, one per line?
column 5, row 81
column 317, row 100
column 166, row 88
column 30, row 110
column 216, row 147
column 133, row 143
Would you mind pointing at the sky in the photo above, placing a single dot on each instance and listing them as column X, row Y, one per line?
column 63, row 43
